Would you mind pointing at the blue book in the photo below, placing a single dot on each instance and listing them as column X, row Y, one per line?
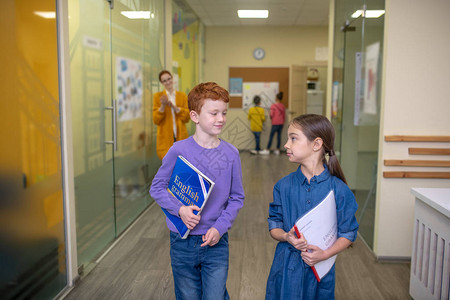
column 190, row 187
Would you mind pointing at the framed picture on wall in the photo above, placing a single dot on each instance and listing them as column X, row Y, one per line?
column 235, row 86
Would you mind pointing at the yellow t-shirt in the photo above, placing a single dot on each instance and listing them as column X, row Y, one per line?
column 256, row 117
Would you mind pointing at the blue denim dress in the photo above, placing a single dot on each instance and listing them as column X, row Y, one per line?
column 290, row 277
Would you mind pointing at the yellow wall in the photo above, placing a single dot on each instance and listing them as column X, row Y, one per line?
column 31, row 213
column 185, row 53
column 284, row 46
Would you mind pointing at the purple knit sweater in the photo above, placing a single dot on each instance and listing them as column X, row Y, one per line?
column 223, row 166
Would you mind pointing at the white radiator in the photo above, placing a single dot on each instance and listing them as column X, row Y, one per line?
column 430, row 261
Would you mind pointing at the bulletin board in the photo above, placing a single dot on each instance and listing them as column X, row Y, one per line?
column 267, row 91
column 273, row 74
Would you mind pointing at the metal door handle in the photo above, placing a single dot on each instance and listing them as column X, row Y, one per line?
column 114, row 111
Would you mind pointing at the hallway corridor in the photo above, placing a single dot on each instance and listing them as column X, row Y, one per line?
column 138, row 267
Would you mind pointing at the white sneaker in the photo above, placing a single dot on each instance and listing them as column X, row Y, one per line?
column 276, row 152
column 253, row 152
column 264, row 152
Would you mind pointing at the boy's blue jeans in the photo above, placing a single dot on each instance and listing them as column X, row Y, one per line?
column 199, row 272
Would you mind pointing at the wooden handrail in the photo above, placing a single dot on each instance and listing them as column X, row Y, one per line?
column 429, row 151
column 434, row 175
column 416, row 138
column 416, row 163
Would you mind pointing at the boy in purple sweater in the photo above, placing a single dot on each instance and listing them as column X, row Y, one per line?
column 200, row 262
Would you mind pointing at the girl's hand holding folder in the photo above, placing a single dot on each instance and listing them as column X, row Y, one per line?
column 313, row 255
column 298, row 242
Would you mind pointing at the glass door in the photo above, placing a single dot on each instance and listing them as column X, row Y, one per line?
column 356, row 101
column 129, row 20
column 115, row 51
column 92, row 118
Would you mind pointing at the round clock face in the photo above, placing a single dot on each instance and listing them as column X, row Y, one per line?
column 259, row 53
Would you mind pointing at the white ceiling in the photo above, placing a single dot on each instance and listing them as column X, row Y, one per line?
column 281, row 12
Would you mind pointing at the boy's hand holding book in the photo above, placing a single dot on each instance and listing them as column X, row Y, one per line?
column 192, row 188
column 188, row 217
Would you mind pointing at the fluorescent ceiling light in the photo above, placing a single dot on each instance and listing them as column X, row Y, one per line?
column 261, row 14
column 368, row 14
column 46, row 14
column 136, row 14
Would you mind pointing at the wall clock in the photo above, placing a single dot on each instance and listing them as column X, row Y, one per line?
column 259, row 53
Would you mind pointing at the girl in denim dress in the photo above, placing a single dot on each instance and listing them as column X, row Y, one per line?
column 310, row 141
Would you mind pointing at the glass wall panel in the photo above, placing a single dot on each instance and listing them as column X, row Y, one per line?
column 186, row 44
column 131, row 56
column 115, row 61
column 369, row 119
column 90, row 67
column 356, row 101
column 154, row 55
column 185, row 39
column 32, row 242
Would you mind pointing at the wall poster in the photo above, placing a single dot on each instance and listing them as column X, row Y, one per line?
column 129, row 89
column 371, row 79
column 236, row 86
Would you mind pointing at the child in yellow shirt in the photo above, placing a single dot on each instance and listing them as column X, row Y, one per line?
column 257, row 117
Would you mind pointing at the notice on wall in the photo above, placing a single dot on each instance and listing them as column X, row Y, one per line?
column 321, row 53
column 129, row 89
column 266, row 90
column 371, row 79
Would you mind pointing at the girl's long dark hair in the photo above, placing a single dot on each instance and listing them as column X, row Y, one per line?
column 317, row 126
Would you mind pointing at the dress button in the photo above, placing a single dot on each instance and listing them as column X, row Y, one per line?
column 308, row 201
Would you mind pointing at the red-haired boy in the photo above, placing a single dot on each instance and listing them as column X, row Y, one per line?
column 200, row 262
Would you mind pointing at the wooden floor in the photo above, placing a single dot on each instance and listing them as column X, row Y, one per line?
column 138, row 267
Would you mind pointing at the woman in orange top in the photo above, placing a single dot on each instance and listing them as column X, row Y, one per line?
column 170, row 113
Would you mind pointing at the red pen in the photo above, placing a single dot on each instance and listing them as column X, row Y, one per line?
column 299, row 235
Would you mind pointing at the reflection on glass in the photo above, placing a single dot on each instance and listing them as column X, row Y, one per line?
column 356, row 102
column 91, row 93
column 115, row 61
column 130, row 46
column 186, row 46
column 32, row 243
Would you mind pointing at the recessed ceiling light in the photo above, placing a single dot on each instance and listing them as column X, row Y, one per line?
column 46, row 14
column 368, row 14
column 254, row 14
column 136, row 14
